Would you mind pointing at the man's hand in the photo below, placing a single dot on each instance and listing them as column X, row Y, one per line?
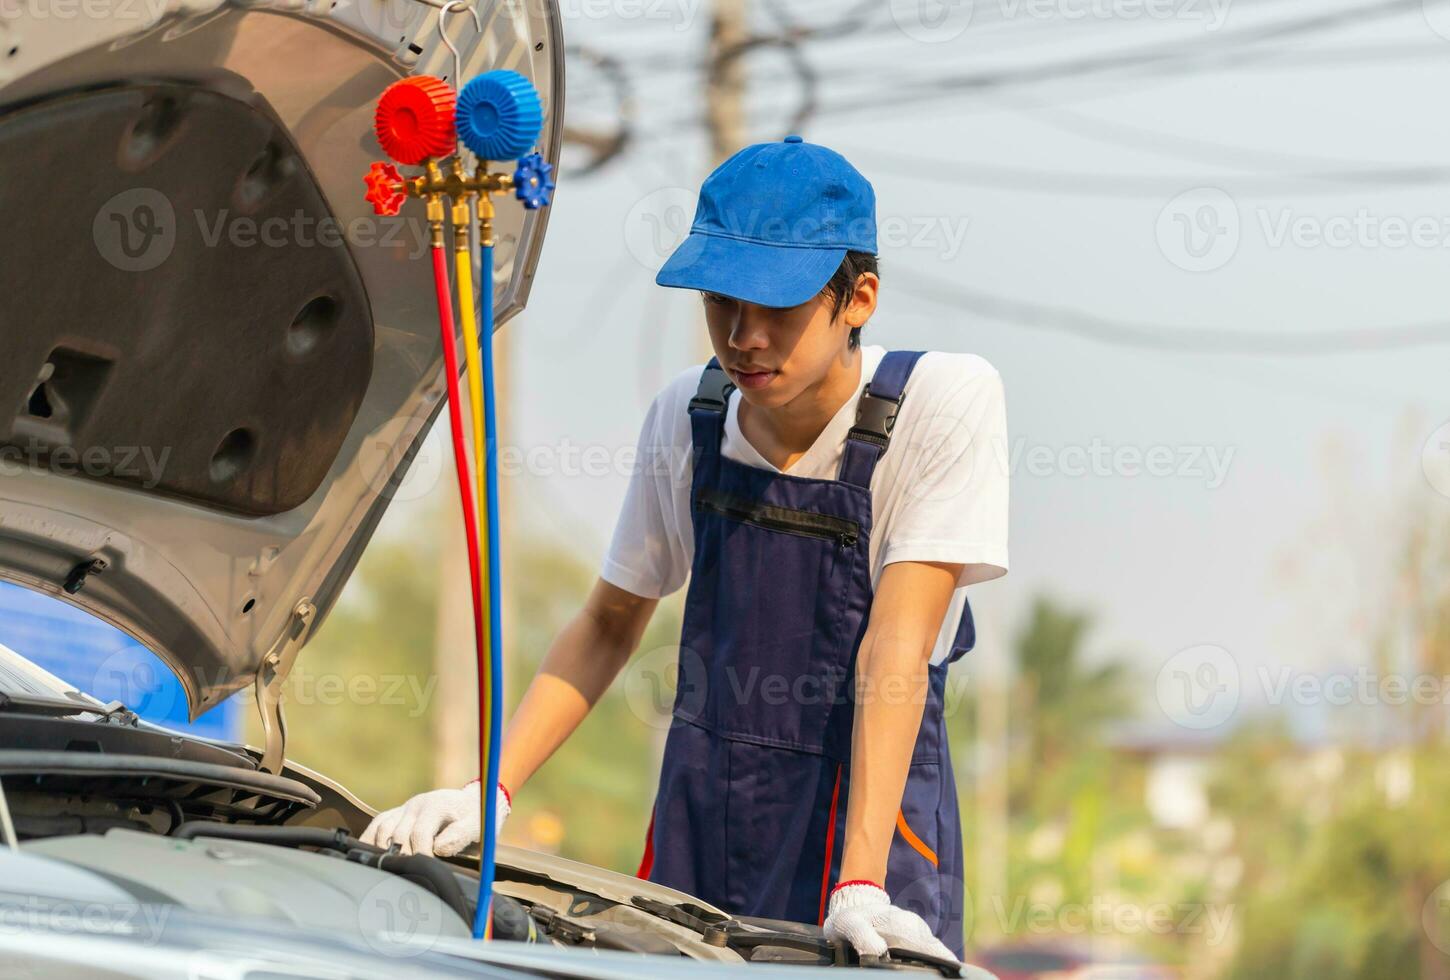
column 861, row 913
column 442, row 822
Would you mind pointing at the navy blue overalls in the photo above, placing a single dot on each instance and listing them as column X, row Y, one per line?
column 750, row 812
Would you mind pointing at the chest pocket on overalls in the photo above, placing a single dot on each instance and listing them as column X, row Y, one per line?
column 769, row 630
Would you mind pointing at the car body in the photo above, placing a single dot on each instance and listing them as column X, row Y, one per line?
column 1063, row 959
column 207, row 402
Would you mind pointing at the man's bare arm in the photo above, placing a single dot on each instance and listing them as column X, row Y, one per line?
column 892, row 682
column 581, row 663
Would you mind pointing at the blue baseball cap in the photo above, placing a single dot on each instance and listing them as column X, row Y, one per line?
column 774, row 223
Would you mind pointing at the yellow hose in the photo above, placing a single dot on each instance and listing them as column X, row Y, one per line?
column 473, row 358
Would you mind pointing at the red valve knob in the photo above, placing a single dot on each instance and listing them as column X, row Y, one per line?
column 385, row 188
column 414, row 119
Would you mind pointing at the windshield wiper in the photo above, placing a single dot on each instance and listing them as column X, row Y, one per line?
column 30, row 704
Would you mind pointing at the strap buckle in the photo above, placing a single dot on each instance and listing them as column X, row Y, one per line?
column 875, row 418
column 714, row 391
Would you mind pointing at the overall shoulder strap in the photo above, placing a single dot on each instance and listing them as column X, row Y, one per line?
column 876, row 416
column 707, row 408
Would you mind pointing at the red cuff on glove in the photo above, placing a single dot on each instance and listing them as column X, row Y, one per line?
column 506, row 794
column 855, row 881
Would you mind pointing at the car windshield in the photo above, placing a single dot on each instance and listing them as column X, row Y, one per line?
column 49, row 648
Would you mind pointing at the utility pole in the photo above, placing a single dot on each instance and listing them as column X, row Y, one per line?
column 992, row 831
column 455, row 713
column 725, row 90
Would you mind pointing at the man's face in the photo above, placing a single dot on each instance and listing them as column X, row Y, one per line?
column 773, row 354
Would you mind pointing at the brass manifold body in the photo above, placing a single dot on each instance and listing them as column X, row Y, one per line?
column 459, row 186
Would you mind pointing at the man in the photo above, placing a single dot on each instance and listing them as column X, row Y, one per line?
column 829, row 528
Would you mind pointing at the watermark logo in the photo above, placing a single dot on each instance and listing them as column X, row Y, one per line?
column 1435, row 460
column 1202, row 230
column 657, row 680
column 658, row 224
column 932, row 21
column 1435, row 917
column 1199, row 230
column 950, row 461
column 388, row 19
column 943, row 902
column 135, row 230
column 1198, row 688
column 397, row 920
column 138, row 680
column 382, row 452
column 1437, row 16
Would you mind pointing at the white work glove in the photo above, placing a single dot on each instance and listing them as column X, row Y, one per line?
column 442, row 822
column 861, row 913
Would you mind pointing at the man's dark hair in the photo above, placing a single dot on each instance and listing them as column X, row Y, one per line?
column 843, row 284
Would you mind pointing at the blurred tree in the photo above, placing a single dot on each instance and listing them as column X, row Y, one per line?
column 592, row 801
column 363, row 699
column 1061, row 702
column 1348, row 876
column 359, row 701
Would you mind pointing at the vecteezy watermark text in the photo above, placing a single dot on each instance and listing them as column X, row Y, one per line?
column 1202, row 686
column 1103, row 916
column 145, row 465
column 939, row 21
column 659, row 223
column 303, row 230
column 138, row 229
column 138, row 11
column 1102, row 459
column 671, row 679
column 1203, row 229
column 61, row 917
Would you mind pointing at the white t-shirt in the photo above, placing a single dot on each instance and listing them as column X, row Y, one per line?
column 939, row 494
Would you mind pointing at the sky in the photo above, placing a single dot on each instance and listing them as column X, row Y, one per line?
column 1123, row 243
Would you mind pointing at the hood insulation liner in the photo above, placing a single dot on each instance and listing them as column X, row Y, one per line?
column 196, row 325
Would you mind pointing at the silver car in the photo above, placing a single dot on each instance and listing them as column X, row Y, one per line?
column 216, row 364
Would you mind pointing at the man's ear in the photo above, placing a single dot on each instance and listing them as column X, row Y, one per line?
column 863, row 300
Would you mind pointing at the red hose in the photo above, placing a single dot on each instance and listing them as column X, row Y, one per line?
column 460, row 451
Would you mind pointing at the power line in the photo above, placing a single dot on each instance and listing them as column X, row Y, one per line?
column 1169, row 57
column 606, row 144
column 1168, row 338
column 1146, row 186
column 1224, row 52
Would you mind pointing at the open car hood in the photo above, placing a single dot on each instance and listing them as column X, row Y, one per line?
column 207, row 397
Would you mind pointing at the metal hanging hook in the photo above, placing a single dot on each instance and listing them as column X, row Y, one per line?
column 447, row 9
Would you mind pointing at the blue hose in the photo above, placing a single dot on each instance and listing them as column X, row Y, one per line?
column 495, row 628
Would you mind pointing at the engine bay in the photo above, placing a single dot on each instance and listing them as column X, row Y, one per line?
column 181, row 822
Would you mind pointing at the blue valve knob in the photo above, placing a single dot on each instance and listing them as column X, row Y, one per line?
column 499, row 115
column 534, row 182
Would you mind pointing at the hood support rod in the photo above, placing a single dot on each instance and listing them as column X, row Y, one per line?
column 270, row 678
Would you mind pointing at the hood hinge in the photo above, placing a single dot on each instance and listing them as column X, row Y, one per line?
column 270, row 678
